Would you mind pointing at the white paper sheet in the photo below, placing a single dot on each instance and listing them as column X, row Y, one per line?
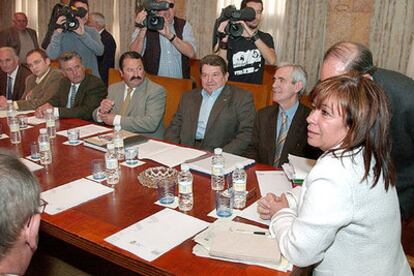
column 230, row 161
column 301, row 166
column 250, row 213
column 167, row 154
column 31, row 165
column 273, row 182
column 85, row 131
column 3, row 113
column 157, row 234
column 35, row 121
column 3, row 136
column 72, row 194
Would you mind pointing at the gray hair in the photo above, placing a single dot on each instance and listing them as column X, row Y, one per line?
column 19, row 199
column 99, row 18
column 298, row 74
column 66, row 56
column 11, row 50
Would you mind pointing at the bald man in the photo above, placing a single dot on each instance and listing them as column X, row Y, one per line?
column 19, row 36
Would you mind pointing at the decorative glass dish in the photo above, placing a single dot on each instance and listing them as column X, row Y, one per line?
column 151, row 176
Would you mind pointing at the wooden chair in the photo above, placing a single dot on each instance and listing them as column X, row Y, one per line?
column 113, row 76
column 195, row 72
column 261, row 93
column 268, row 74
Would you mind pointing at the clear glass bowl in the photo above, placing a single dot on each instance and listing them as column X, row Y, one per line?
column 151, row 176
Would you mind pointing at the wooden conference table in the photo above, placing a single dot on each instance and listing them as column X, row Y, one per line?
column 87, row 225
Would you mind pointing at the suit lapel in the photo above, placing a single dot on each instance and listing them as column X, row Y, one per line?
column 292, row 136
column 218, row 106
column 140, row 94
column 271, row 133
column 195, row 112
column 81, row 90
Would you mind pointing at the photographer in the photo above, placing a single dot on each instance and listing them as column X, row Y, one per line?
column 246, row 54
column 83, row 40
column 166, row 51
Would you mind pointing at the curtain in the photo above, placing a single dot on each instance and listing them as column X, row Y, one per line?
column 44, row 12
column 392, row 27
column 410, row 65
column 7, row 9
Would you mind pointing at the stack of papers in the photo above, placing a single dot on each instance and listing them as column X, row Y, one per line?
column 157, row 234
column 230, row 161
column 298, row 168
column 241, row 243
column 85, row 131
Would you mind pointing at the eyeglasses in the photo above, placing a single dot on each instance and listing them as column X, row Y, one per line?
column 42, row 206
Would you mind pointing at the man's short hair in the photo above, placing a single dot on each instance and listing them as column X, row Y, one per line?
column 243, row 4
column 73, row 2
column 298, row 74
column 98, row 18
column 66, row 56
column 130, row 54
column 19, row 199
column 39, row 51
column 11, row 50
column 214, row 60
column 355, row 56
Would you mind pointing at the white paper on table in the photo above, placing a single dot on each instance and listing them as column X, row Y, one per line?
column 274, row 182
column 167, row 154
column 3, row 136
column 31, row 165
column 32, row 120
column 301, row 166
column 157, row 234
column 72, row 194
column 230, row 162
column 251, row 213
column 3, row 113
column 85, row 131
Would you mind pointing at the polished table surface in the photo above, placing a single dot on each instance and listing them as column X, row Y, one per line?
column 87, row 225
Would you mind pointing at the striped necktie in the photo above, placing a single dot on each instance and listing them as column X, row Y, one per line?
column 73, row 92
column 126, row 101
column 9, row 92
column 281, row 138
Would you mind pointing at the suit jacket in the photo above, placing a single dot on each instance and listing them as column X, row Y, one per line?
column 90, row 93
column 37, row 94
column 400, row 91
column 263, row 143
column 18, row 89
column 10, row 37
column 145, row 111
column 107, row 60
column 229, row 125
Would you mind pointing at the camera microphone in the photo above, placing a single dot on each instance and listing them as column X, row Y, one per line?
column 246, row 14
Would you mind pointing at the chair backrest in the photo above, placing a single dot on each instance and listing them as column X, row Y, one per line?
column 195, row 71
column 268, row 74
column 113, row 76
column 261, row 93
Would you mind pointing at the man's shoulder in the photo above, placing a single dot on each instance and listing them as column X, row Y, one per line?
column 153, row 86
column 93, row 80
column 237, row 91
column 23, row 70
column 267, row 110
column 7, row 30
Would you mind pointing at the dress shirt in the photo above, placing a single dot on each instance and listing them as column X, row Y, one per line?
column 56, row 109
column 290, row 113
column 205, row 110
column 39, row 79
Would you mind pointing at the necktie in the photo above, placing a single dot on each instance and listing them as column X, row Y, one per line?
column 125, row 104
column 9, row 92
column 72, row 96
column 281, row 138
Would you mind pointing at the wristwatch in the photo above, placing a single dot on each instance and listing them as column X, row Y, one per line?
column 172, row 38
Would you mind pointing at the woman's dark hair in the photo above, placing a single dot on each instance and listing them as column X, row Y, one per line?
column 365, row 110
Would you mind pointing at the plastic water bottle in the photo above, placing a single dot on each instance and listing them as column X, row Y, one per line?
column 239, row 177
column 44, row 147
column 50, row 123
column 217, row 170
column 185, row 189
column 111, row 164
column 15, row 135
column 118, row 141
column 11, row 112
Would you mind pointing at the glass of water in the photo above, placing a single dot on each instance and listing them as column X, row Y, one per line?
column 131, row 155
column 73, row 136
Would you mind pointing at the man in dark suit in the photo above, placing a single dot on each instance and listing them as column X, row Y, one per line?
column 280, row 129
column 216, row 116
column 79, row 93
column 12, row 75
column 346, row 56
column 19, row 37
column 107, row 60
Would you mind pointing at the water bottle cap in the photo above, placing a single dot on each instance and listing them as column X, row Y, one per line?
column 49, row 110
column 110, row 146
column 117, row 127
column 239, row 166
column 218, row 151
column 43, row 131
column 184, row 167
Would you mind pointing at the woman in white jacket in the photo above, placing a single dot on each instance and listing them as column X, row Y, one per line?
column 345, row 219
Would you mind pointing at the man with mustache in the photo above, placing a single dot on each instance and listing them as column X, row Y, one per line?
column 136, row 103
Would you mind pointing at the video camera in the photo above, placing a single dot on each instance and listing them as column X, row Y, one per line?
column 230, row 13
column 70, row 12
column 153, row 21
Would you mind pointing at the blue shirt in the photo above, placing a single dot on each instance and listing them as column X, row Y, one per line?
column 290, row 113
column 205, row 109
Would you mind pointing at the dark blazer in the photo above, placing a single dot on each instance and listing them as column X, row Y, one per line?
column 19, row 84
column 263, row 143
column 10, row 37
column 107, row 60
column 229, row 125
column 90, row 93
column 400, row 91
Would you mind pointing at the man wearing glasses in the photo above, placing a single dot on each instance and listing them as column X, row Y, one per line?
column 166, row 52
column 20, row 215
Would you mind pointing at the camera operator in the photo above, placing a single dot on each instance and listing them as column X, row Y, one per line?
column 83, row 40
column 246, row 55
column 167, row 51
